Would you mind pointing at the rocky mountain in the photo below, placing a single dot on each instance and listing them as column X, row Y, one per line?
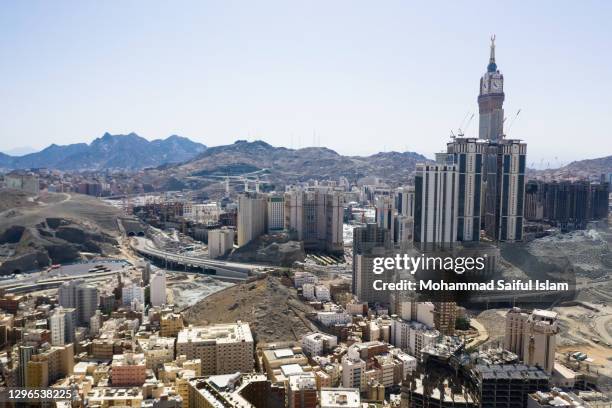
column 108, row 152
column 280, row 165
column 581, row 169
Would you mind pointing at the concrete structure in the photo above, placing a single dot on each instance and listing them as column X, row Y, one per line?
column 506, row 385
column 220, row 242
column 316, row 344
column 370, row 242
column 132, row 292
column 315, row 216
column 235, row 390
column 490, row 101
column 555, row 398
column 24, row 182
column 25, row 355
column 340, row 398
column 128, row 369
column 221, row 348
column 81, row 296
column 49, row 365
column 302, row 391
column 412, row 336
column 353, row 370
column 252, row 210
column 276, row 213
column 170, row 324
column 62, row 324
column 207, row 214
column 385, row 213
column 468, row 156
column 404, row 201
column 532, row 336
column 158, row 288
column 504, row 190
column 436, row 203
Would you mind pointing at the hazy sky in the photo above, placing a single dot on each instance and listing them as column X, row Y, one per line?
column 364, row 76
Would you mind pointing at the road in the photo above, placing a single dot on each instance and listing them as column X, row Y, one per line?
column 145, row 247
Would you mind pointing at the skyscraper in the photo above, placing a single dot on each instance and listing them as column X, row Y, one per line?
column 87, row 303
column 80, row 296
column 435, row 210
column 62, row 323
column 158, row 288
column 491, row 100
column 467, row 154
column 314, row 215
column 505, row 189
column 252, row 209
column 503, row 172
column 369, row 242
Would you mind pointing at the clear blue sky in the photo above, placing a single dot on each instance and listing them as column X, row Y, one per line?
column 365, row 76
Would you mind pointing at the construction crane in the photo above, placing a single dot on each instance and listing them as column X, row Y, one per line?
column 512, row 121
column 467, row 126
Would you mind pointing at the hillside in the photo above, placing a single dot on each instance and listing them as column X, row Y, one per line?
column 272, row 309
column 579, row 169
column 280, row 165
column 38, row 231
column 108, row 152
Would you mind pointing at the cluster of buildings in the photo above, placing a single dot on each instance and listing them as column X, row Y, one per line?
column 568, row 205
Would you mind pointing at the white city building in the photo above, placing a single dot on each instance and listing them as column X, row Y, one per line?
column 158, row 288
column 315, row 344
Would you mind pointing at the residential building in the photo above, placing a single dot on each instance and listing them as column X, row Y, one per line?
column 276, row 213
column 221, row 348
column 370, row 242
column 252, row 210
column 158, row 288
column 316, row 344
column 435, row 211
column 315, row 216
column 128, row 369
column 532, row 336
column 220, row 242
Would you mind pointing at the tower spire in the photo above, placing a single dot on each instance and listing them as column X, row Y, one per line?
column 492, row 67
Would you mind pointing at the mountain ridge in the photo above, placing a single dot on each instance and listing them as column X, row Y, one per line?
column 123, row 151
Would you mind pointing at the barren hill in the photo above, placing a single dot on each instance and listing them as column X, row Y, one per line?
column 38, row 231
column 271, row 308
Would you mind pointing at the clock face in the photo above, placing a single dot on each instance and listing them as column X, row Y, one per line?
column 496, row 85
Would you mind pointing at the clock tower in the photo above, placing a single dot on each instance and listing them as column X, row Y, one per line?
column 491, row 100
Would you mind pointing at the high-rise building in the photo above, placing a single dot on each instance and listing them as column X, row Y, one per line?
column 491, row 100
column 220, row 242
column 369, row 242
column 276, row 212
column 80, row 296
column 132, row 292
column 506, row 385
column 404, row 201
column 353, row 370
column 566, row 205
column 532, row 336
column 62, row 323
column 158, row 288
column 467, row 155
column 435, row 211
column 25, row 355
column 385, row 212
column 252, row 210
column 315, row 216
column 505, row 189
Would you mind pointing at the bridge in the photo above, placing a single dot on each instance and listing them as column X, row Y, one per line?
column 223, row 269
